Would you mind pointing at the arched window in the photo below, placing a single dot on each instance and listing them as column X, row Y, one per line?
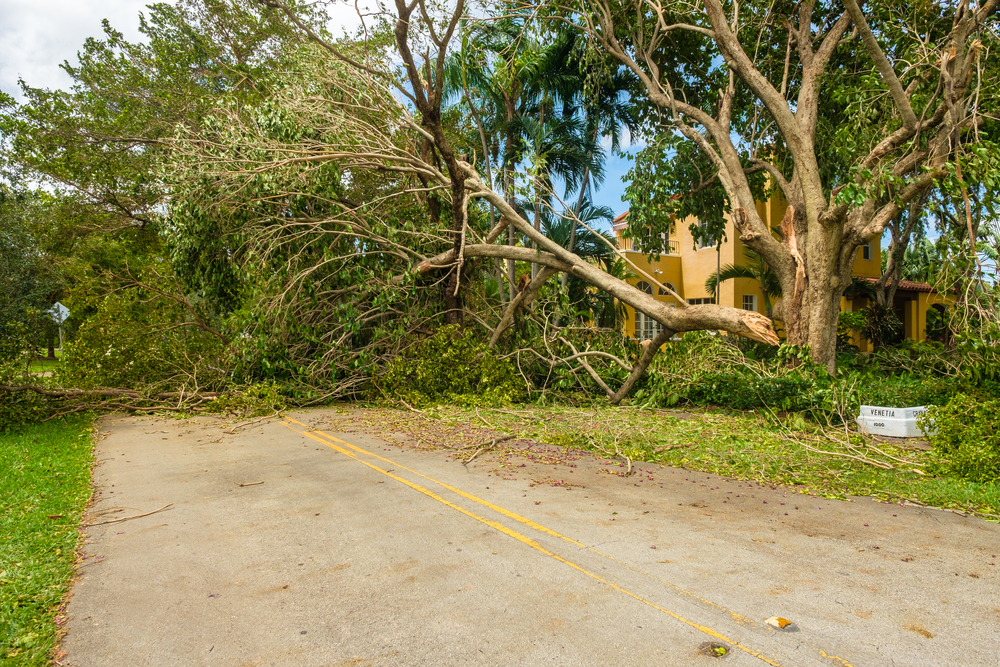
column 669, row 286
column 644, row 286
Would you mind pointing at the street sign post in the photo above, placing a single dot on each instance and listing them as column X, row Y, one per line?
column 59, row 313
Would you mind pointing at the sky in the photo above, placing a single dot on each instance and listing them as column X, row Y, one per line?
column 36, row 36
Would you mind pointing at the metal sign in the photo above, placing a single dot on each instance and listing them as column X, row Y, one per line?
column 59, row 313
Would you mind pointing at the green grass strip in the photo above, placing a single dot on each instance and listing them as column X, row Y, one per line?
column 740, row 445
column 44, row 488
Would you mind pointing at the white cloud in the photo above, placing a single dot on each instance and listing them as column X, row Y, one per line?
column 37, row 35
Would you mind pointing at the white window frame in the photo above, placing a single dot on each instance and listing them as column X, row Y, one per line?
column 701, row 244
column 753, row 302
column 867, row 252
column 646, row 328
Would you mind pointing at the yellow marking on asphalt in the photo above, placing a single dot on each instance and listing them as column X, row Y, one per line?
column 469, row 496
column 528, row 522
column 833, row 657
column 739, row 618
column 525, row 540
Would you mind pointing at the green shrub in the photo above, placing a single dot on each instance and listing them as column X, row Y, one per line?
column 256, row 400
column 848, row 325
column 967, row 438
column 21, row 407
column 881, row 326
column 452, row 366
column 742, row 391
column 703, row 369
column 904, row 391
column 134, row 342
column 713, row 370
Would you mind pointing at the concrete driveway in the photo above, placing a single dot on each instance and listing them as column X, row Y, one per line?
column 287, row 543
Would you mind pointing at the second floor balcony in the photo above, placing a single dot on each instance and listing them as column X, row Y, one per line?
column 643, row 246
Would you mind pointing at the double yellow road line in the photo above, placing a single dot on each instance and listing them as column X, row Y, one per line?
column 353, row 451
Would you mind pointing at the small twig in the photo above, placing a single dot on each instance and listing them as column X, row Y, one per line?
column 667, row 449
column 252, row 422
column 862, row 459
column 422, row 413
column 483, row 419
column 126, row 518
column 519, row 415
column 110, row 510
column 249, row 483
column 890, row 456
column 410, row 407
column 493, row 443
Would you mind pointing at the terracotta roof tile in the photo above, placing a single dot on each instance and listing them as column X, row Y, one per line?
column 908, row 285
column 620, row 222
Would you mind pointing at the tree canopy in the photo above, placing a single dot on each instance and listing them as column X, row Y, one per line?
column 273, row 203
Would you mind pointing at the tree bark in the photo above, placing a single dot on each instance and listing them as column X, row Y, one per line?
column 650, row 348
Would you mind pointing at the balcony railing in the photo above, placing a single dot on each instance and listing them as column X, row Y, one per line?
column 670, row 247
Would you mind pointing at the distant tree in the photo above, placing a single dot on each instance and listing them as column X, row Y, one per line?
column 29, row 282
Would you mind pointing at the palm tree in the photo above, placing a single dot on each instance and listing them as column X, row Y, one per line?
column 755, row 269
column 921, row 261
column 521, row 92
column 596, row 306
column 587, row 244
column 607, row 115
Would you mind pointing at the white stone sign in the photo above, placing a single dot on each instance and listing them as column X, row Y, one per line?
column 893, row 422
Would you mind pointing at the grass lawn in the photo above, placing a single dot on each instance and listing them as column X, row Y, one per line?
column 739, row 445
column 44, row 487
column 43, row 365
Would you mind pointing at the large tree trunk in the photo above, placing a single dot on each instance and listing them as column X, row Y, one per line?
column 826, row 284
column 812, row 282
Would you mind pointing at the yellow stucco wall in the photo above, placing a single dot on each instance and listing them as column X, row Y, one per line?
column 667, row 269
column 691, row 267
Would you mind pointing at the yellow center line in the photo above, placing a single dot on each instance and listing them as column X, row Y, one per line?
column 528, row 522
column 522, row 538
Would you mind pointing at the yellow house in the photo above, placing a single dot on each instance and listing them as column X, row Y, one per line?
column 684, row 266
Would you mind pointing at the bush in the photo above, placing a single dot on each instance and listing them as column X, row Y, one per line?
column 881, row 326
column 689, row 371
column 452, row 366
column 257, row 400
column 967, row 437
column 21, row 407
column 848, row 325
column 904, row 391
column 132, row 341
column 745, row 392
column 713, row 370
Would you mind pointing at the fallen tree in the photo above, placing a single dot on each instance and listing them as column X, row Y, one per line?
column 329, row 200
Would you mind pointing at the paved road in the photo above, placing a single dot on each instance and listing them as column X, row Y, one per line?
column 354, row 551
